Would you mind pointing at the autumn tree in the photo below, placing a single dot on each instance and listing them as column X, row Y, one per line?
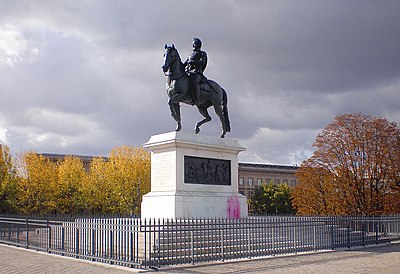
column 8, row 181
column 99, row 194
column 44, row 186
column 118, row 184
column 68, row 192
column 316, row 192
column 271, row 199
column 131, row 176
column 37, row 188
column 354, row 169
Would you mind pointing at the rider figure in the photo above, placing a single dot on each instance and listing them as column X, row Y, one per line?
column 195, row 65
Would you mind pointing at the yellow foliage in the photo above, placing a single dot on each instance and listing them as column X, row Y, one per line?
column 71, row 178
column 8, row 181
column 131, row 176
column 36, row 191
column 111, row 186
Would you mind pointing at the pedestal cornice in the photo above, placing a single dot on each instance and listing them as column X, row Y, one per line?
column 191, row 140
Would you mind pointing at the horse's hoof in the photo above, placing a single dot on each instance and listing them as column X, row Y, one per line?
column 179, row 127
column 197, row 130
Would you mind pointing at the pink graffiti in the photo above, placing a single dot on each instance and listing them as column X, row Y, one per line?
column 233, row 208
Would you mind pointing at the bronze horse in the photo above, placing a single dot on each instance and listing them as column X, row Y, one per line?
column 211, row 93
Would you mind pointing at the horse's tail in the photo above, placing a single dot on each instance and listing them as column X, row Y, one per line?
column 225, row 111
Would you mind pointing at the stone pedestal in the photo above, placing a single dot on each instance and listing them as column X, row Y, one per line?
column 193, row 176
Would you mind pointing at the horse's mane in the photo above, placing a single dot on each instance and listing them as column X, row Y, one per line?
column 177, row 53
column 179, row 57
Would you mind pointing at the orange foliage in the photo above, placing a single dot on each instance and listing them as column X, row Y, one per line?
column 354, row 170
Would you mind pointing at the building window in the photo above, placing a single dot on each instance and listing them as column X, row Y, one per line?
column 259, row 181
column 241, row 181
column 285, row 181
column 294, row 183
column 250, row 181
column 250, row 194
column 277, row 181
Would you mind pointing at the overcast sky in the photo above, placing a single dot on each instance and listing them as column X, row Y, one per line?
column 83, row 77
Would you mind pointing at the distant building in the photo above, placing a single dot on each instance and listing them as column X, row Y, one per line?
column 60, row 157
column 252, row 175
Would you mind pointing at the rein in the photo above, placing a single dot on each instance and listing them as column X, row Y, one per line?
column 177, row 76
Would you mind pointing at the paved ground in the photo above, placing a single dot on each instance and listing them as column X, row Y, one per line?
column 371, row 259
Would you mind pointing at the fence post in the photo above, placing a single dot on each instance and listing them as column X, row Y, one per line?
column 332, row 237
column 77, row 242
column 295, row 238
column 145, row 242
column 63, row 239
column 27, row 233
column 222, row 244
column 93, row 242
column 192, row 246
column 9, row 232
column 158, row 242
column 110, row 231
column 273, row 239
column 315, row 238
column 348, row 236
column 49, row 235
column 18, row 234
column 363, row 233
column 248, row 242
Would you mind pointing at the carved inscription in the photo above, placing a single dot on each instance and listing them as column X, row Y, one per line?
column 163, row 169
column 207, row 171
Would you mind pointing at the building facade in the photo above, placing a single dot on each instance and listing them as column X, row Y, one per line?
column 252, row 175
column 86, row 160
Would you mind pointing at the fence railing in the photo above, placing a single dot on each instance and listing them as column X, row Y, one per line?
column 136, row 242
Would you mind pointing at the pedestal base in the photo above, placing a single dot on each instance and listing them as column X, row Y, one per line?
column 193, row 176
column 186, row 204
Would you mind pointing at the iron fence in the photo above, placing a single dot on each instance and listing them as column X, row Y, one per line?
column 136, row 242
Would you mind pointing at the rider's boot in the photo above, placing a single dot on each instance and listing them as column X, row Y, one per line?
column 196, row 88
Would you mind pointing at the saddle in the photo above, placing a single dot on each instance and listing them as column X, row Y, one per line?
column 205, row 85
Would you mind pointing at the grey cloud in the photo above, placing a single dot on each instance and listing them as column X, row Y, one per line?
column 289, row 68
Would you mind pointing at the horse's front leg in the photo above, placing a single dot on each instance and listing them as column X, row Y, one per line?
column 172, row 108
column 207, row 118
column 175, row 109
column 178, row 117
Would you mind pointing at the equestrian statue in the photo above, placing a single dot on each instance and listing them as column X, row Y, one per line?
column 187, row 84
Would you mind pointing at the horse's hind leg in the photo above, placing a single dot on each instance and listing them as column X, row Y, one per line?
column 219, row 112
column 204, row 112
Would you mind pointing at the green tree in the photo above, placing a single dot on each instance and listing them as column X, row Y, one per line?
column 271, row 199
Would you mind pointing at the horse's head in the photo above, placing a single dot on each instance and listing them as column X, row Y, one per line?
column 170, row 57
